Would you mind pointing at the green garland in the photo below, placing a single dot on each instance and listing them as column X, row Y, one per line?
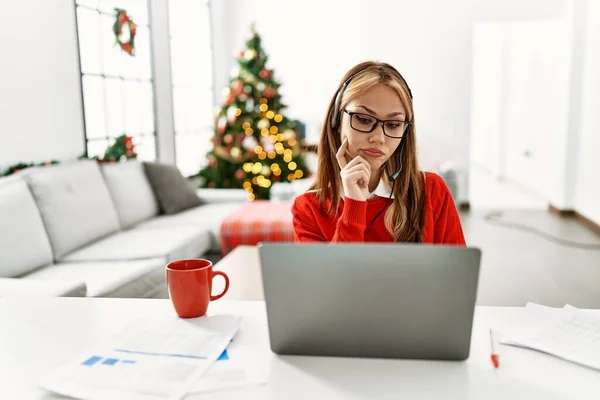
column 13, row 169
column 121, row 150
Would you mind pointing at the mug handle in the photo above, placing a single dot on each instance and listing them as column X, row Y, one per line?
column 224, row 275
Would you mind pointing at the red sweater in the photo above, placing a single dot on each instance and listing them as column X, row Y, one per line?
column 441, row 221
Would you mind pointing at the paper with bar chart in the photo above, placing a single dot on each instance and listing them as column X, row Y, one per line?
column 239, row 366
column 150, row 359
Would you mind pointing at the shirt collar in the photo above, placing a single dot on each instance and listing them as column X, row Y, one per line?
column 383, row 189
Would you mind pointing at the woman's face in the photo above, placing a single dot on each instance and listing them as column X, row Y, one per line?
column 380, row 102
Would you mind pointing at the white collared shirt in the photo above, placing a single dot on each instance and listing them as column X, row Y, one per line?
column 382, row 190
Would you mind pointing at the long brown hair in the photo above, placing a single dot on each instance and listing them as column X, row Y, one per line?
column 403, row 219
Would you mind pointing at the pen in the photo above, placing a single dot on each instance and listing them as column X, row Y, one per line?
column 494, row 356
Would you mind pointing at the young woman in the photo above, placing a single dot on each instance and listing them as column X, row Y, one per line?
column 368, row 185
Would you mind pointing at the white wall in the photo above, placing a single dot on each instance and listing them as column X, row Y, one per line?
column 312, row 43
column 536, row 105
column 538, row 102
column 577, row 12
column 520, row 104
column 518, row 10
column 587, row 178
column 163, row 94
column 40, row 95
column 488, row 92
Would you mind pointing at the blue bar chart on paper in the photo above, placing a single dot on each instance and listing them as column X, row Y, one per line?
column 152, row 358
column 97, row 360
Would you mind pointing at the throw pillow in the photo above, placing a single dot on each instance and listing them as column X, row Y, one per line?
column 172, row 189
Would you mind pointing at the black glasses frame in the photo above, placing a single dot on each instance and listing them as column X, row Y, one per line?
column 378, row 121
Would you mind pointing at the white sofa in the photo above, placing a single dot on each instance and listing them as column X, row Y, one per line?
column 84, row 229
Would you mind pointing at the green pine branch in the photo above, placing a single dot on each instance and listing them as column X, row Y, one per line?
column 247, row 136
column 13, row 169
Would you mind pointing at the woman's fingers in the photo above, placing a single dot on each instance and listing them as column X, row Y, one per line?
column 357, row 167
column 359, row 160
column 358, row 172
column 341, row 154
column 360, row 177
column 354, row 169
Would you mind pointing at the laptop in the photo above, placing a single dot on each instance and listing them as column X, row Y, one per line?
column 408, row 301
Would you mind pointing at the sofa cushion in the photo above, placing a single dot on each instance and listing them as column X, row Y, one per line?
column 131, row 192
column 75, row 204
column 168, row 244
column 173, row 191
column 24, row 244
column 222, row 195
column 140, row 278
column 18, row 287
column 208, row 216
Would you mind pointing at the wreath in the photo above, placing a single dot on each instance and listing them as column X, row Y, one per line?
column 122, row 20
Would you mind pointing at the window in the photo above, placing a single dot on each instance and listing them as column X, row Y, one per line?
column 118, row 94
column 192, row 77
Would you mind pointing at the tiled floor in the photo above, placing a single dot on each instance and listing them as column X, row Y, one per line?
column 487, row 191
column 519, row 266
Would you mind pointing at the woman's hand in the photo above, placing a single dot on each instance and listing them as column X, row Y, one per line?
column 355, row 173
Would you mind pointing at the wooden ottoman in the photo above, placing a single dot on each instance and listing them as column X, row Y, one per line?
column 257, row 221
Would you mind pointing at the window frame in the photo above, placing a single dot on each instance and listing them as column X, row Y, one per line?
column 107, row 137
column 204, row 130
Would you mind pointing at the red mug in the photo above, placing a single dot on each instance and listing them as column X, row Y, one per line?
column 190, row 286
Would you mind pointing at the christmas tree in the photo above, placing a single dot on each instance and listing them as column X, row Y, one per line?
column 255, row 144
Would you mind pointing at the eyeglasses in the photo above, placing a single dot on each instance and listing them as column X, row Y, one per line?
column 393, row 128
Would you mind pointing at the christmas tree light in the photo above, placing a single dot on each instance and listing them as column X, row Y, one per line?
column 255, row 145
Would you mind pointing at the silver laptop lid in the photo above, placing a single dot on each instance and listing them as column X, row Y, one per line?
column 370, row 300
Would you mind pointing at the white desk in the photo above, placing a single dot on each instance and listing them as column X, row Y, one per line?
column 36, row 335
